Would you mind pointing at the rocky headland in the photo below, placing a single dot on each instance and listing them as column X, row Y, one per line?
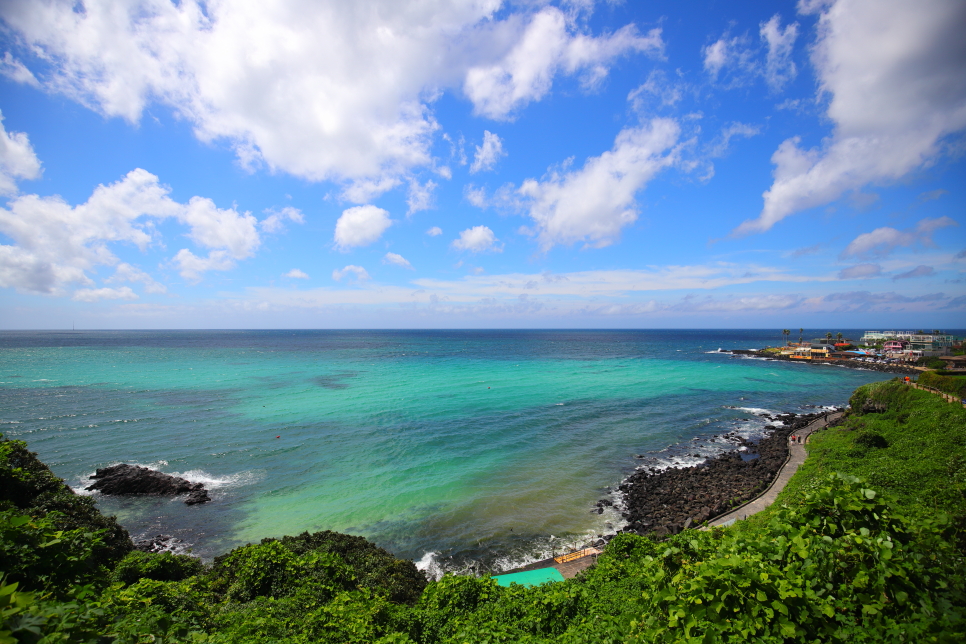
column 851, row 364
column 659, row 503
column 133, row 480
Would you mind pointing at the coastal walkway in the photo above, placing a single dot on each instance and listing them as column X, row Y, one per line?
column 796, row 456
column 947, row 397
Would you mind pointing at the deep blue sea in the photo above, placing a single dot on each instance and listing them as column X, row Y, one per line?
column 450, row 447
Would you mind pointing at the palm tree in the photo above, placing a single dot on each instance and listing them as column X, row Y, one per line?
column 828, row 336
column 785, row 333
column 801, row 335
column 838, row 336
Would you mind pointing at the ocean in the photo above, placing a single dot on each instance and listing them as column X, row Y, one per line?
column 478, row 450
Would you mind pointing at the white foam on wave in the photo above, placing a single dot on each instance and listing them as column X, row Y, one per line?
column 429, row 566
column 215, row 482
column 757, row 411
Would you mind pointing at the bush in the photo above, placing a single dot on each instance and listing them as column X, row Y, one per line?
column 871, row 439
column 29, row 486
column 944, row 381
column 163, row 566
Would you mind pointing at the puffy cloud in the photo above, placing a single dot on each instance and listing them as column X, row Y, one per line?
column 95, row 294
column 779, row 67
column 548, row 45
column 127, row 273
column 860, row 271
column 192, row 267
column 17, row 159
column 356, row 273
column 476, row 196
column 918, row 271
column 882, row 241
column 360, row 226
column 488, row 154
column 593, row 204
column 893, row 73
column 275, row 222
column 716, row 55
column 420, row 196
column 477, row 240
column 435, row 231
column 322, row 89
column 398, row 260
column 296, row 274
column 17, row 71
column 57, row 243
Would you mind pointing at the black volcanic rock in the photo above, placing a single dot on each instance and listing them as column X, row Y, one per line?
column 661, row 503
column 133, row 480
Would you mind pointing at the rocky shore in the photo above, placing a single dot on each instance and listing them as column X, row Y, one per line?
column 131, row 480
column 851, row 364
column 663, row 502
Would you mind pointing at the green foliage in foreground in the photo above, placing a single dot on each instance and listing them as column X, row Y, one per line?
column 836, row 560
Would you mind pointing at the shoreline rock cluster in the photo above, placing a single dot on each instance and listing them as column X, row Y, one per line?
column 133, row 480
column 661, row 503
column 851, row 364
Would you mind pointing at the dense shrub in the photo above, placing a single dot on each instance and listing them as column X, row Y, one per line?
column 28, row 485
column 162, row 566
column 944, row 381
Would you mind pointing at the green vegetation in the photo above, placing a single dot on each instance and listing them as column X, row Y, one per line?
column 837, row 559
column 950, row 383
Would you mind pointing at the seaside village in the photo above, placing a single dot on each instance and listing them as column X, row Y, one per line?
column 933, row 349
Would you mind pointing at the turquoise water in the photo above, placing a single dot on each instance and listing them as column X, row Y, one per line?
column 476, row 446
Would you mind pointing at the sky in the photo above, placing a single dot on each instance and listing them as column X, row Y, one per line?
column 482, row 164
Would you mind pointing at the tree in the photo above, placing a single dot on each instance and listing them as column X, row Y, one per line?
column 801, row 335
column 839, row 336
column 785, row 333
column 828, row 336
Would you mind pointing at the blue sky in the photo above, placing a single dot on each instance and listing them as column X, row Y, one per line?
column 482, row 164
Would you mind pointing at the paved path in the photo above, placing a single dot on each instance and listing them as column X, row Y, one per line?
column 796, row 457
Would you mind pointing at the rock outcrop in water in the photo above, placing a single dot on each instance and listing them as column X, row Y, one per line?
column 131, row 480
column 659, row 503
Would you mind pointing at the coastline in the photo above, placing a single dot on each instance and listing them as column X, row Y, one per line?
column 835, row 362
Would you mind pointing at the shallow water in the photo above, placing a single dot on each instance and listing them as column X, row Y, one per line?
column 477, row 446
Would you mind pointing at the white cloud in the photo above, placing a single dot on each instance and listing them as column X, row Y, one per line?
column 296, row 274
column 882, row 241
column 547, row 46
column 476, row 196
column 779, row 67
column 321, row 89
column 593, row 204
column 192, row 267
column 95, row 294
column 717, row 55
column 212, row 227
column 860, row 271
column 398, row 260
column 893, row 72
column 275, row 222
column 667, row 93
column 360, row 226
column 435, row 231
column 127, row 273
column 57, row 243
column 356, row 273
column 17, row 71
column 488, row 154
column 477, row 240
column 732, row 131
column 17, row 159
column 420, row 196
